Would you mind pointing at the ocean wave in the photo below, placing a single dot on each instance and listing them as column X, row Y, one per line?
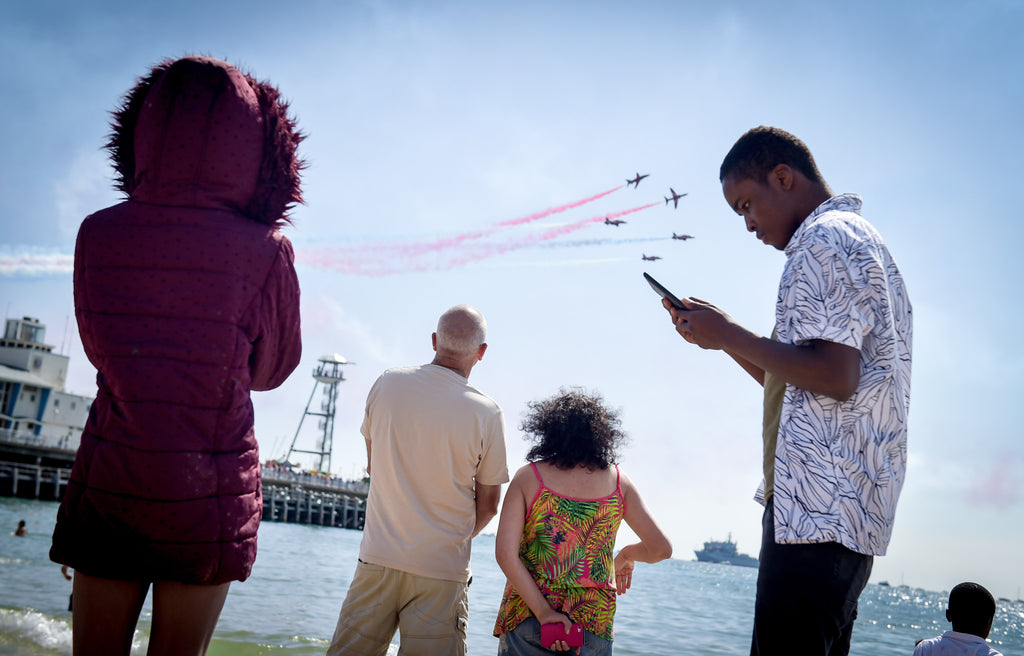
column 25, row 628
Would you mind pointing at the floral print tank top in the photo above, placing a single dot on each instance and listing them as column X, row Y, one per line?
column 567, row 546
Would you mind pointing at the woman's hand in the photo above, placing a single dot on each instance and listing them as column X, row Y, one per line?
column 554, row 617
column 623, row 573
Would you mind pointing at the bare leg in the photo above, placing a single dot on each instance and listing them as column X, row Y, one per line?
column 105, row 614
column 184, row 617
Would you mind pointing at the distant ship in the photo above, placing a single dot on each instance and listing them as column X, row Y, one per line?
column 724, row 552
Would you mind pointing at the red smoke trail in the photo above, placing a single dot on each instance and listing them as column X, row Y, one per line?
column 353, row 264
column 556, row 210
column 415, row 249
column 349, row 259
column 498, row 249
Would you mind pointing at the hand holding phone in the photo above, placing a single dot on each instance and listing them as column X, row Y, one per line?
column 549, row 633
column 664, row 293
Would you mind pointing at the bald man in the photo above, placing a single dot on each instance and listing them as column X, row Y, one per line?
column 435, row 448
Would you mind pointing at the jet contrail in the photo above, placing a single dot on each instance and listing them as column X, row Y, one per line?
column 417, row 248
column 557, row 263
column 345, row 262
column 35, row 264
column 556, row 210
column 374, row 259
column 575, row 243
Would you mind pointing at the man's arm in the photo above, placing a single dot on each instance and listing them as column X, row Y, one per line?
column 819, row 366
column 756, row 372
column 487, row 497
column 367, row 457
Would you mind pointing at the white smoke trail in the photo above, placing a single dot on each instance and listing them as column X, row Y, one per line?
column 28, row 261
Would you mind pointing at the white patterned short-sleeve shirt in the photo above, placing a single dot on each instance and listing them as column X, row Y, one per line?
column 839, row 466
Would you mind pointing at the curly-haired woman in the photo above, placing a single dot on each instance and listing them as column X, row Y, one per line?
column 558, row 524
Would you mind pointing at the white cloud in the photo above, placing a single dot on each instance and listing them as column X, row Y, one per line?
column 86, row 186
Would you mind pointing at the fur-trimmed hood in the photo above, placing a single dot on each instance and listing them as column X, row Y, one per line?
column 197, row 132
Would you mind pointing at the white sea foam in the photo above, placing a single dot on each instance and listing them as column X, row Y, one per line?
column 32, row 627
column 36, row 628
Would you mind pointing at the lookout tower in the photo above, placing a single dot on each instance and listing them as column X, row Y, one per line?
column 328, row 373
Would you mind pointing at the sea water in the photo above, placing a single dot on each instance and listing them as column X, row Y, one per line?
column 290, row 603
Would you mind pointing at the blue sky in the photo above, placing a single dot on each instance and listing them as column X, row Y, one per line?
column 430, row 121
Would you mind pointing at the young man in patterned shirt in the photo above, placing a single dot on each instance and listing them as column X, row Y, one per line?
column 836, row 378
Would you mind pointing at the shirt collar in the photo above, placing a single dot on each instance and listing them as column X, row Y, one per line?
column 838, row 203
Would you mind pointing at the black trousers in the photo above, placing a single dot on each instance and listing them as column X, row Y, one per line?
column 806, row 596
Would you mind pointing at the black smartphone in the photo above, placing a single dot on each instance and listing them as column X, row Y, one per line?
column 658, row 287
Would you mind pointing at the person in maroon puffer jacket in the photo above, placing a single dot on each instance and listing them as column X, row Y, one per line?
column 186, row 300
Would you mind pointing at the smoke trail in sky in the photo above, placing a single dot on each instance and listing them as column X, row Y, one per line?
column 409, row 249
column 576, row 243
column 345, row 263
column 381, row 258
column 556, row 210
column 556, row 263
column 27, row 261
column 1000, row 486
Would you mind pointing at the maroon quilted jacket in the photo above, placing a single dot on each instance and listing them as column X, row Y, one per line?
column 186, row 300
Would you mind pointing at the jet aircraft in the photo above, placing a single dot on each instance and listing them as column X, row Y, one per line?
column 650, row 258
column 683, row 237
column 675, row 198
column 613, row 222
column 636, row 181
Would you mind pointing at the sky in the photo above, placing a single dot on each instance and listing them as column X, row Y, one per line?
column 451, row 147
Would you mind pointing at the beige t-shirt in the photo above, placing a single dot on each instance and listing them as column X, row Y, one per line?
column 432, row 437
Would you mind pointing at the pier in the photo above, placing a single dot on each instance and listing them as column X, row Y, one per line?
column 33, row 481
column 308, row 499
column 41, row 426
column 312, row 497
column 33, row 472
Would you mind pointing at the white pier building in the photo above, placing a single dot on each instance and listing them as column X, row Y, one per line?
column 34, row 408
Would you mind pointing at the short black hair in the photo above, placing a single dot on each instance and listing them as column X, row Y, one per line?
column 573, row 428
column 971, row 609
column 761, row 149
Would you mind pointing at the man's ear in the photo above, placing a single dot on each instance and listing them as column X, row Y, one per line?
column 781, row 177
column 433, row 341
column 480, row 352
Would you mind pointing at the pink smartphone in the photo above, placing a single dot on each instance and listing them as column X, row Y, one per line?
column 556, row 631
